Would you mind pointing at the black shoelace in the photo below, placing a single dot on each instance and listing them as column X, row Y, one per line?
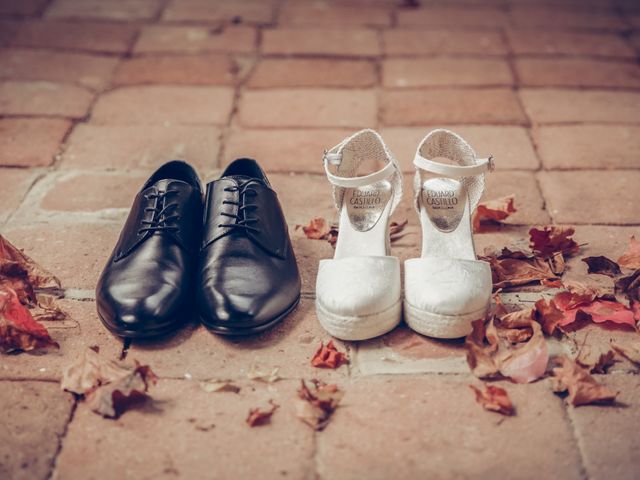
column 161, row 216
column 240, row 217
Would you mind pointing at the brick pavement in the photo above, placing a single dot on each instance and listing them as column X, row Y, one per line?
column 95, row 94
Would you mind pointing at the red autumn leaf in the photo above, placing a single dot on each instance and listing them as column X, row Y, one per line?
column 582, row 387
column 258, row 416
column 109, row 387
column 18, row 330
column 494, row 399
column 552, row 239
column 552, row 283
column 598, row 310
column 316, row 405
column 328, row 356
column 22, row 274
column 631, row 258
column 493, row 211
column 316, row 229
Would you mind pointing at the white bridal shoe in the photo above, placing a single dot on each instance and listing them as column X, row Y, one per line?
column 358, row 294
column 448, row 287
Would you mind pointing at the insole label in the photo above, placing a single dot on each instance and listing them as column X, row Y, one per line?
column 444, row 200
column 366, row 204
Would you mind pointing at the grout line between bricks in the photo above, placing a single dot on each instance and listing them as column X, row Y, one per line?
column 61, row 439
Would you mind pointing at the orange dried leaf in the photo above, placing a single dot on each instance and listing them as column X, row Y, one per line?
column 631, row 258
column 258, row 416
column 328, row 356
column 493, row 211
column 316, row 405
column 582, row 387
column 552, row 239
column 316, row 229
column 509, row 272
column 548, row 315
column 109, row 387
column 18, row 330
column 494, row 399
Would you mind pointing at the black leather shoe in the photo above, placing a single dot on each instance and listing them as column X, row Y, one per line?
column 249, row 278
column 147, row 284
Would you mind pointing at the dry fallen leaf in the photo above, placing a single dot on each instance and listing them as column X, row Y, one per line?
column 552, row 239
column 259, row 416
column 629, row 286
column 48, row 309
column 548, row 315
column 510, row 272
column 22, row 274
column 631, row 258
column 396, row 230
column 316, row 229
column 109, row 387
column 270, row 377
column 602, row 266
column 582, row 387
column 328, row 356
column 597, row 310
column 509, row 344
column 596, row 360
column 316, row 405
column 319, row 229
column 629, row 352
column 18, row 330
column 211, row 386
column 494, row 399
column 493, row 211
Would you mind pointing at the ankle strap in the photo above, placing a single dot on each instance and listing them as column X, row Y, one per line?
column 454, row 171
column 353, row 182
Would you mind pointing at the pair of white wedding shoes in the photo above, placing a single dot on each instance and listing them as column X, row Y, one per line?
column 358, row 292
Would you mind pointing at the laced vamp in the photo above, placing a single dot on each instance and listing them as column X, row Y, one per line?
column 162, row 220
column 242, row 222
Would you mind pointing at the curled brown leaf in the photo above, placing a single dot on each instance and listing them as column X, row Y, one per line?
column 494, row 399
column 315, row 405
column 552, row 239
column 328, row 356
column 494, row 211
column 260, row 416
column 602, row 266
column 582, row 387
column 631, row 258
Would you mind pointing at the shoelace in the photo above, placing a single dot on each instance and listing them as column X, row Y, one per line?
column 159, row 222
column 242, row 222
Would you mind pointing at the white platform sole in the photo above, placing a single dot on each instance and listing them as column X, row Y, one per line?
column 441, row 326
column 361, row 327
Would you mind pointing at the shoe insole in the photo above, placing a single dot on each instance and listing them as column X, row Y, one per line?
column 364, row 220
column 446, row 224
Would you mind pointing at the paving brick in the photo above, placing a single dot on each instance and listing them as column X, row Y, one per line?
column 493, row 106
column 312, row 73
column 176, row 69
column 443, row 42
column 295, row 150
column 308, row 255
column 15, row 183
column 304, row 197
column 613, row 458
column 534, row 72
column 140, row 146
column 37, row 414
column 453, row 16
column 403, row 351
column 248, row 11
column 558, row 106
column 588, row 146
column 200, row 354
column 85, row 36
column 444, row 72
column 536, row 16
column 207, row 422
column 529, row 201
column 438, row 414
column 122, row 10
column 164, row 104
column 307, row 108
column 44, row 98
column 188, row 39
column 333, row 15
column 634, row 40
column 82, row 328
column 604, row 197
column 533, row 41
column 30, row 142
column 75, row 252
column 511, row 146
column 21, row 7
column 8, row 30
column 311, row 41
column 79, row 68
column 90, row 192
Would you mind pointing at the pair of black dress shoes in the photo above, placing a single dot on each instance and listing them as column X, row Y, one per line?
column 227, row 258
